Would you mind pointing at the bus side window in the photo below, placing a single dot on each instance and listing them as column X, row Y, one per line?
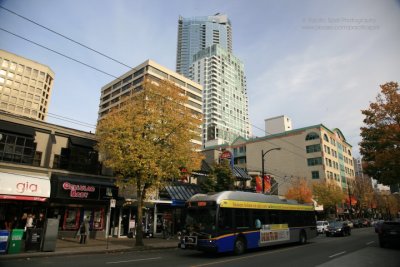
column 259, row 215
column 273, row 217
column 242, row 218
column 225, row 219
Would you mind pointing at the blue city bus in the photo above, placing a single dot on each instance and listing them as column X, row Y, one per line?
column 234, row 221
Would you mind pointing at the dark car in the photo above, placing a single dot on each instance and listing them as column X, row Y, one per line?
column 389, row 233
column 377, row 225
column 357, row 223
column 365, row 223
column 338, row 228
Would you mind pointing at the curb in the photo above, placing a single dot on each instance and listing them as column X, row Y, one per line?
column 29, row 255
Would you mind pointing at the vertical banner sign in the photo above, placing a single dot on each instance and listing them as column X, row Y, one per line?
column 267, row 183
column 258, row 184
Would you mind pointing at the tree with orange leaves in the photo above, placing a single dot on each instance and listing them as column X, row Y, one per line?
column 380, row 145
column 299, row 191
column 147, row 141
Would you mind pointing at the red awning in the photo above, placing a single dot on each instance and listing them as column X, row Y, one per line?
column 27, row 198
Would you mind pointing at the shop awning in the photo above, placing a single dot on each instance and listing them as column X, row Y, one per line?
column 17, row 128
column 24, row 187
column 179, row 193
column 78, row 141
column 240, row 173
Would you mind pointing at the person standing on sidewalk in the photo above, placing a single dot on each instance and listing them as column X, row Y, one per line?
column 83, row 232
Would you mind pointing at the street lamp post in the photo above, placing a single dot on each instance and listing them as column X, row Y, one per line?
column 262, row 165
column 350, row 208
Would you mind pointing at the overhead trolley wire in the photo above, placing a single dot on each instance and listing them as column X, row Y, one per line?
column 66, row 37
column 113, row 76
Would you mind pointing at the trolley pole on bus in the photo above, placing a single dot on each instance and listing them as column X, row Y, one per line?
column 262, row 165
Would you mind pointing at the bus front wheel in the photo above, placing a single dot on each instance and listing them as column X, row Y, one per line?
column 240, row 246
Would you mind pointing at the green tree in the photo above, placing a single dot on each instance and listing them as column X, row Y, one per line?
column 208, row 183
column 147, row 140
column 380, row 145
column 222, row 174
column 328, row 194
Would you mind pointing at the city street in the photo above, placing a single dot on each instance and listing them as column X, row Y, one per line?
column 359, row 249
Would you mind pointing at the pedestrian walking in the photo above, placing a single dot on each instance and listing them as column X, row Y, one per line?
column 166, row 229
column 83, row 232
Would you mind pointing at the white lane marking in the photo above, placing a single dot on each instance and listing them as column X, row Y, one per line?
column 147, row 259
column 337, row 254
column 369, row 243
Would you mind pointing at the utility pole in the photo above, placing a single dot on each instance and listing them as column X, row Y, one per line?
column 262, row 165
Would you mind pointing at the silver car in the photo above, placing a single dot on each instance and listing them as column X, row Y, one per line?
column 322, row 227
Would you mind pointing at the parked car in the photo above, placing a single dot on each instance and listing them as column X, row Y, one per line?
column 389, row 233
column 365, row 223
column 349, row 223
column 338, row 228
column 322, row 226
column 357, row 223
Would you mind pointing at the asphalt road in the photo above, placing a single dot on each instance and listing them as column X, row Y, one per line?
column 359, row 249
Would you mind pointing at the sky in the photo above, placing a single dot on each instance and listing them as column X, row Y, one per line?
column 314, row 61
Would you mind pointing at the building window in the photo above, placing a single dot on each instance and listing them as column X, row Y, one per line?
column 312, row 136
column 17, row 148
column 37, row 159
column 314, row 161
column 56, row 162
column 313, row 148
column 326, row 138
column 315, row 174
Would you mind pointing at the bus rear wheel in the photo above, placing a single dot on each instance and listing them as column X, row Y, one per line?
column 302, row 238
column 240, row 246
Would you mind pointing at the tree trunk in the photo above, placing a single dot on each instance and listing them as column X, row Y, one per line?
column 139, row 228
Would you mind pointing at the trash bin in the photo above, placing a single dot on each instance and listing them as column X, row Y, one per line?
column 15, row 241
column 3, row 240
column 33, row 239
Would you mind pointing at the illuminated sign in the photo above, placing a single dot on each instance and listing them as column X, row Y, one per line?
column 24, row 185
column 78, row 191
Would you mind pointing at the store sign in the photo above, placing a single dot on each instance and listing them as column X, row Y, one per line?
column 77, row 190
column 226, row 155
column 21, row 186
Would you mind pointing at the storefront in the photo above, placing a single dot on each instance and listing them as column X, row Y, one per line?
column 75, row 199
column 23, row 200
column 173, row 214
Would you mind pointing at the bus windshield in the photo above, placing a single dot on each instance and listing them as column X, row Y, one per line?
column 201, row 219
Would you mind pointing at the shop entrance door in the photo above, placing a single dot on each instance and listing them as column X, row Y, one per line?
column 159, row 224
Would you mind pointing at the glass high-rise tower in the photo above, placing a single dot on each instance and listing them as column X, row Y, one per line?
column 195, row 34
column 204, row 55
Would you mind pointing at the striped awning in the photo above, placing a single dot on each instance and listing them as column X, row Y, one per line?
column 179, row 192
column 240, row 173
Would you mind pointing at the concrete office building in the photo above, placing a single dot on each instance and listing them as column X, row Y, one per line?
column 25, row 86
column 116, row 92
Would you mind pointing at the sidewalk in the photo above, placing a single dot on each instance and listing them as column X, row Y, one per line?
column 71, row 246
